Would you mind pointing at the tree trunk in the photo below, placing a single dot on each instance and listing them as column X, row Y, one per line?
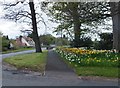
column 34, row 24
column 115, row 12
column 77, row 25
column 77, row 34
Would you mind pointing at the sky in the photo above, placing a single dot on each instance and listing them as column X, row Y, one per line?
column 12, row 29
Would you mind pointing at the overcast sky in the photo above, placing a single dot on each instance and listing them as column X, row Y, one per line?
column 12, row 29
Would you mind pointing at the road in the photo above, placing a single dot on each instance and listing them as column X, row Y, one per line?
column 17, row 53
column 10, row 79
column 51, row 78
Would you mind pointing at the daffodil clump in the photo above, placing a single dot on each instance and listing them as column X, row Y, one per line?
column 81, row 57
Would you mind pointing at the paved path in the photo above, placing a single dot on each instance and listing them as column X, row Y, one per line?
column 57, row 74
column 57, row 68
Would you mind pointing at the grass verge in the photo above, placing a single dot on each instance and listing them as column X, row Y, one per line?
column 97, row 71
column 110, row 72
column 33, row 61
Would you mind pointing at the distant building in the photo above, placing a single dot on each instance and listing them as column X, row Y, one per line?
column 24, row 41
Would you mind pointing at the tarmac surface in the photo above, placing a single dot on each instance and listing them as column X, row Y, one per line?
column 57, row 73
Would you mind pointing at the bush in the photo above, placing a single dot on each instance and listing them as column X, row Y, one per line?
column 5, row 43
column 83, row 42
column 106, row 42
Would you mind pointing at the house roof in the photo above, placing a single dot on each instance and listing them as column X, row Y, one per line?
column 27, row 38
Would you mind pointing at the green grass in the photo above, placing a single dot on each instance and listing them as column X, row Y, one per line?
column 97, row 71
column 16, row 50
column 104, row 64
column 33, row 61
column 110, row 72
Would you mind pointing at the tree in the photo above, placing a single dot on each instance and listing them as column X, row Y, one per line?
column 62, row 41
column 47, row 39
column 34, row 24
column 25, row 16
column 26, row 32
column 115, row 12
column 84, row 42
column 1, row 41
column 31, row 35
column 106, row 42
column 5, row 43
column 74, row 14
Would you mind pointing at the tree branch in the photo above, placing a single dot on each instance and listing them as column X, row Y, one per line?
column 11, row 5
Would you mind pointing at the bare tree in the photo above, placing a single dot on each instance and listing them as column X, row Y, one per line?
column 28, row 16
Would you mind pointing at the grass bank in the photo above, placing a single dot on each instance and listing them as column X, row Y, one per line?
column 33, row 61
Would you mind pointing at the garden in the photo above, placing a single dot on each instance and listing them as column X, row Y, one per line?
column 91, row 62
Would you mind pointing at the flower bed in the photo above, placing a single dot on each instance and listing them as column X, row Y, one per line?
column 80, row 57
